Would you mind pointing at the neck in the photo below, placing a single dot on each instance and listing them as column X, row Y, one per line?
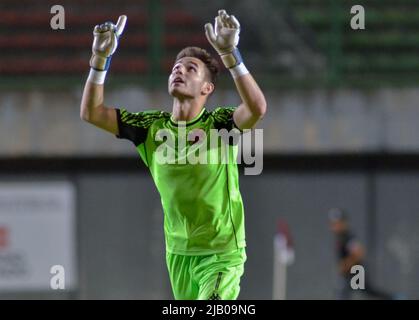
column 185, row 110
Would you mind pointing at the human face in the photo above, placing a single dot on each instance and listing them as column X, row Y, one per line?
column 188, row 79
column 337, row 226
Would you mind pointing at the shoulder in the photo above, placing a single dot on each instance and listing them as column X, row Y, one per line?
column 223, row 118
column 143, row 119
column 222, row 113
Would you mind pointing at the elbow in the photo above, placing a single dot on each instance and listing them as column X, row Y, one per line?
column 260, row 108
column 263, row 108
column 89, row 112
column 84, row 114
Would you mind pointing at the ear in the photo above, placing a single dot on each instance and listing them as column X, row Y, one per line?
column 207, row 88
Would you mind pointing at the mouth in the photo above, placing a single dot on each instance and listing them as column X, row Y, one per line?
column 178, row 80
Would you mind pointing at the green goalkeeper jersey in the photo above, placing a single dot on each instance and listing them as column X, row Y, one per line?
column 196, row 174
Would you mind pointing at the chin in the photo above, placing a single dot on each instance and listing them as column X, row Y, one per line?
column 175, row 93
column 180, row 94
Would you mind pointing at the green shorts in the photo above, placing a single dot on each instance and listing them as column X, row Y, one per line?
column 210, row 277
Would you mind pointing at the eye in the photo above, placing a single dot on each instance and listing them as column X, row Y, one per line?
column 192, row 68
column 176, row 67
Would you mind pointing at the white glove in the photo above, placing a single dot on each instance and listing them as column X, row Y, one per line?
column 225, row 38
column 105, row 42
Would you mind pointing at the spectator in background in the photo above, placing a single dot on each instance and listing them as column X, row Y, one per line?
column 349, row 252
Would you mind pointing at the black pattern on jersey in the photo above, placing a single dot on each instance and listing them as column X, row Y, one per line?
column 134, row 126
column 223, row 118
column 215, row 295
column 142, row 119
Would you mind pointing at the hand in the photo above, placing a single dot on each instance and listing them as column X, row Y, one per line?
column 225, row 37
column 105, row 42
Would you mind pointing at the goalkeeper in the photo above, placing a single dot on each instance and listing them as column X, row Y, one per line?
column 203, row 208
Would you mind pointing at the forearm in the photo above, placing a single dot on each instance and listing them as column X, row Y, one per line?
column 251, row 95
column 92, row 99
column 92, row 108
column 224, row 37
column 94, row 111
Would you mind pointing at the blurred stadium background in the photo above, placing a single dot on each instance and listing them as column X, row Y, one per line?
column 341, row 130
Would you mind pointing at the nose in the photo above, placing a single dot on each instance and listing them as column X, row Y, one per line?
column 178, row 70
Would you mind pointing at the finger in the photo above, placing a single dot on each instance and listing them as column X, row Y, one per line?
column 102, row 28
column 224, row 18
column 234, row 22
column 218, row 24
column 209, row 32
column 120, row 25
column 96, row 29
column 229, row 24
column 109, row 25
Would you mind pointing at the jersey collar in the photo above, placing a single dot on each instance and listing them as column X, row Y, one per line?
column 190, row 122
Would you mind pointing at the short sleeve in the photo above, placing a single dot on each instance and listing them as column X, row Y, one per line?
column 134, row 126
column 223, row 118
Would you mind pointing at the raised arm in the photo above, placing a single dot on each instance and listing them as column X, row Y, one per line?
column 224, row 37
column 92, row 107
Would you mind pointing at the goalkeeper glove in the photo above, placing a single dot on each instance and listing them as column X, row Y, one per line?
column 106, row 37
column 224, row 37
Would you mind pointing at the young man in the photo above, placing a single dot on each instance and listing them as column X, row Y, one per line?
column 349, row 252
column 203, row 209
